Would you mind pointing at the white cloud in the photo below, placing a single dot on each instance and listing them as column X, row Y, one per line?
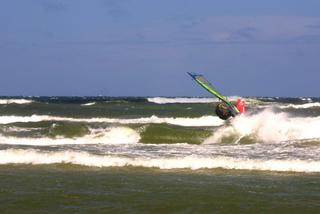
column 259, row 29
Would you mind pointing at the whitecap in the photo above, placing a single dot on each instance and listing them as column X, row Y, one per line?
column 181, row 121
column 15, row 101
column 193, row 162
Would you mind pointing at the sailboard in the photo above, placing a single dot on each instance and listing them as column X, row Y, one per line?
column 201, row 80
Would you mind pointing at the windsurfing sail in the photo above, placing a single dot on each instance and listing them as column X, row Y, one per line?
column 207, row 85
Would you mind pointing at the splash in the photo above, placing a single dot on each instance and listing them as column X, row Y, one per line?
column 269, row 127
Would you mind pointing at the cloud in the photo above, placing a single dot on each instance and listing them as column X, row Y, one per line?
column 260, row 29
column 53, row 5
column 185, row 29
column 188, row 30
column 185, row 21
column 116, row 9
column 309, row 38
column 245, row 34
column 314, row 26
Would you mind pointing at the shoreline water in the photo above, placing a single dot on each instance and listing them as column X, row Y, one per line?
column 69, row 188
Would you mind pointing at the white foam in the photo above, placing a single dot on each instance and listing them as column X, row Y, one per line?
column 168, row 100
column 19, row 156
column 301, row 106
column 172, row 100
column 200, row 121
column 88, row 104
column 306, row 99
column 15, row 101
column 118, row 135
column 269, row 127
column 20, row 129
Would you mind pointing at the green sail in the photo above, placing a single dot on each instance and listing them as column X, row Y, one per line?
column 207, row 85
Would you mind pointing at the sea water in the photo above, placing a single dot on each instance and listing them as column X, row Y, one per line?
column 159, row 155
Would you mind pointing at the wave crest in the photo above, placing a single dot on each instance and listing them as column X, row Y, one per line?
column 301, row 106
column 180, row 121
column 14, row 101
column 169, row 100
column 117, row 135
column 19, row 156
column 269, row 127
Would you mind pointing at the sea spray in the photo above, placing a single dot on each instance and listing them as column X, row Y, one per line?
column 269, row 127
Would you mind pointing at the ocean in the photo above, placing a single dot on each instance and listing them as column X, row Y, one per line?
column 158, row 155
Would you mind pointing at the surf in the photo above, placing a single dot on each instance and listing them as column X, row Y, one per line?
column 268, row 127
column 192, row 162
column 112, row 135
column 181, row 121
column 14, row 101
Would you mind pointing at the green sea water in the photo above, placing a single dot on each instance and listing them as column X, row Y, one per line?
column 70, row 189
column 158, row 155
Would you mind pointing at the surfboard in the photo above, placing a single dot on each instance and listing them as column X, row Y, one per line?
column 201, row 80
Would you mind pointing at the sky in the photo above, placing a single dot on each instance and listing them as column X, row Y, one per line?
column 145, row 47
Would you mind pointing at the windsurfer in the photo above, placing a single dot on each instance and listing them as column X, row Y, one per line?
column 224, row 113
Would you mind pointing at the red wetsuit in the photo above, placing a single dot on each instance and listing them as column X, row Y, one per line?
column 240, row 106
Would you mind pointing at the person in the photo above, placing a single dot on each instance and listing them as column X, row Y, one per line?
column 240, row 106
column 224, row 112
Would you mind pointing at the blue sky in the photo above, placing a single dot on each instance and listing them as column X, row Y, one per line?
column 145, row 47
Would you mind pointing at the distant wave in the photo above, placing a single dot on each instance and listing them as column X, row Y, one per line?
column 200, row 121
column 15, row 101
column 30, row 156
column 88, row 104
column 171, row 100
column 301, row 106
column 168, row 100
column 306, row 99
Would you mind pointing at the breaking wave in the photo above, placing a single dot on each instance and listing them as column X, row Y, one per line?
column 14, row 101
column 30, row 156
column 181, row 100
column 301, row 106
column 200, row 121
column 117, row 135
column 308, row 99
column 89, row 104
column 269, row 127
column 168, row 100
